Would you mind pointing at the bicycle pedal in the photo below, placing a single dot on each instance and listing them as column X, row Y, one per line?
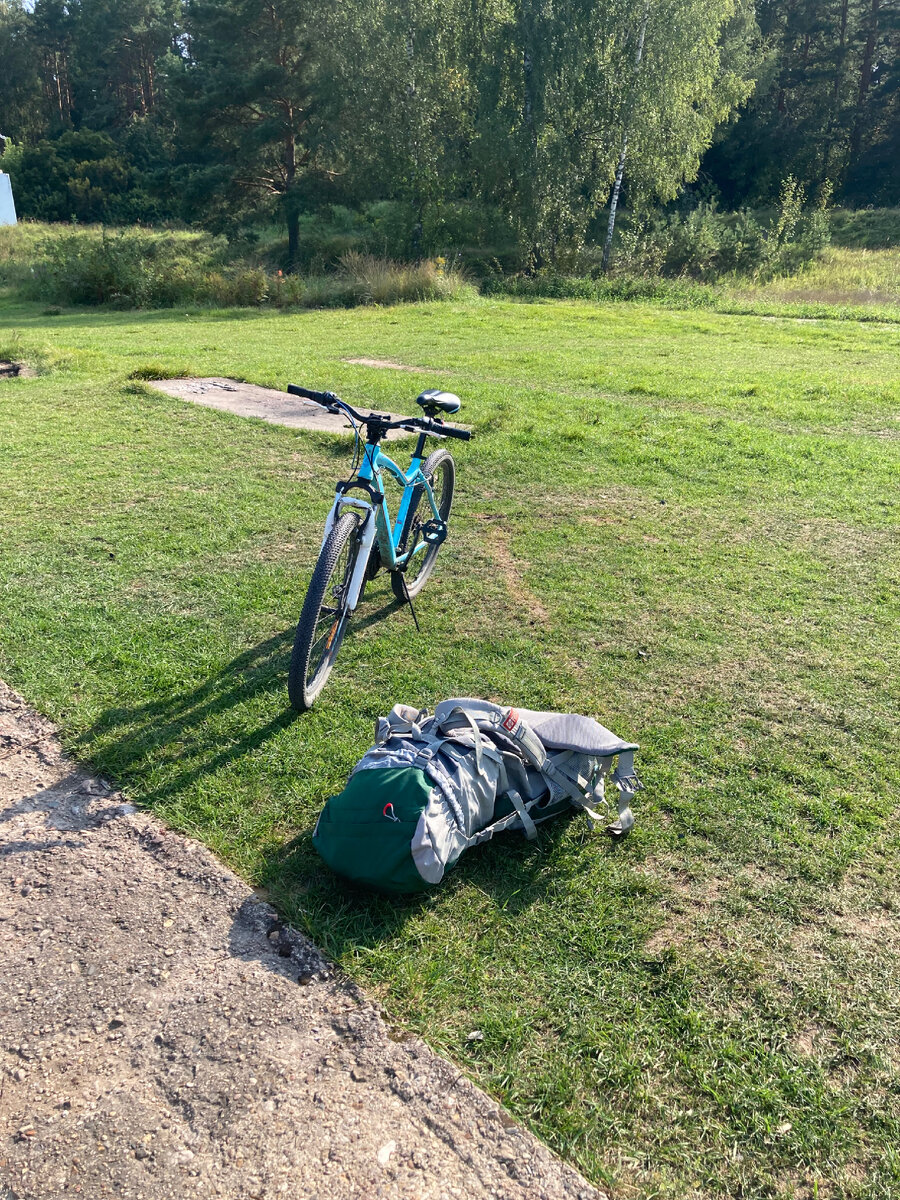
column 434, row 532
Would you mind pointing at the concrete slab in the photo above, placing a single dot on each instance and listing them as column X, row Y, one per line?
column 267, row 404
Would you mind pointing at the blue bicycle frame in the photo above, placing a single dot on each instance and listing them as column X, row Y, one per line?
column 377, row 520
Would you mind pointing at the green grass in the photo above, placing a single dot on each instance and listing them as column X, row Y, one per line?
column 840, row 277
column 865, row 228
column 684, row 523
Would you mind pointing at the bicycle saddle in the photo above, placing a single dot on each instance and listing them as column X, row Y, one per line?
column 435, row 398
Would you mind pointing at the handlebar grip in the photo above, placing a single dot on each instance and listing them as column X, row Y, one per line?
column 464, row 435
column 319, row 397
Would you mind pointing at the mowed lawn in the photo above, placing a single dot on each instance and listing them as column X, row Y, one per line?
column 685, row 524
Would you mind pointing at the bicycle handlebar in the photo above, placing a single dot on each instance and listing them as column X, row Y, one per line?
column 334, row 403
column 326, row 398
column 439, row 428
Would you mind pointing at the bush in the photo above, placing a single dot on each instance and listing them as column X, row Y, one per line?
column 706, row 244
column 79, row 176
column 550, row 285
column 132, row 269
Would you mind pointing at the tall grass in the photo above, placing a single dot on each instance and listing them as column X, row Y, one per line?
column 381, row 281
column 140, row 268
column 135, row 268
column 866, row 228
column 367, row 279
column 842, row 276
column 679, row 293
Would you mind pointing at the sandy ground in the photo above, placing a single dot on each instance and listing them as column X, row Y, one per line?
column 162, row 1035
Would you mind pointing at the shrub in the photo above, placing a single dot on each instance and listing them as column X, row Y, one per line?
column 131, row 268
column 79, row 176
column 797, row 236
column 706, row 244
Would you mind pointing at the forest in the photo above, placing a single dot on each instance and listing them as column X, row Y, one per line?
column 516, row 123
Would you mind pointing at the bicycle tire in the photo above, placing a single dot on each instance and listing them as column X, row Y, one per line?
column 440, row 471
column 309, row 672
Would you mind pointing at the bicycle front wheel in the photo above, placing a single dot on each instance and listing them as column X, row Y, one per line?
column 440, row 471
column 323, row 620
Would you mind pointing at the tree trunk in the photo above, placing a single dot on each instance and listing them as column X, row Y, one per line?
column 292, row 212
column 865, row 80
column 842, row 51
column 620, row 169
column 613, row 205
column 529, row 184
column 293, row 229
column 528, row 88
column 839, row 67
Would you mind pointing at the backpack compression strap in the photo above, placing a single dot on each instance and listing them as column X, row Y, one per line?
column 509, row 721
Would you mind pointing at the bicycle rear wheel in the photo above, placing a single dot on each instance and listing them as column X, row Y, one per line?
column 440, row 471
column 323, row 620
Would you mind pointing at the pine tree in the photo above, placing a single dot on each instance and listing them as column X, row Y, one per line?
column 20, row 81
column 248, row 103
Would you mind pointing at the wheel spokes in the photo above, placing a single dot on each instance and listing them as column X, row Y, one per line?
column 331, row 616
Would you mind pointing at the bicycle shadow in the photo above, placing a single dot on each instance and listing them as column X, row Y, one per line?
column 134, row 739
column 133, row 742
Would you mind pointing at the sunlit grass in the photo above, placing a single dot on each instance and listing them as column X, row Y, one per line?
column 841, row 276
column 684, row 523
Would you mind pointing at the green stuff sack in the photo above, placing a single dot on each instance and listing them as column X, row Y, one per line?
column 432, row 786
column 366, row 832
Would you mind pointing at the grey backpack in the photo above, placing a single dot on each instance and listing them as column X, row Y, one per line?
column 434, row 785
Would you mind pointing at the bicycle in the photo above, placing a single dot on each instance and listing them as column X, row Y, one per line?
column 359, row 537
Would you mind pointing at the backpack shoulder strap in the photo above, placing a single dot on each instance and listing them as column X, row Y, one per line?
column 402, row 719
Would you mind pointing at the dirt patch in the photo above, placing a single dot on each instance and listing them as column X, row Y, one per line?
column 165, row 1035
column 266, row 404
column 388, row 364
column 813, row 1041
column 15, row 370
column 685, row 908
column 511, row 571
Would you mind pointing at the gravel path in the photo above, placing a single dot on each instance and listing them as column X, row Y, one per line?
column 161, row 1035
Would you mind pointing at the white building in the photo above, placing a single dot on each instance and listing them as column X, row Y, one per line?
column 7, row 207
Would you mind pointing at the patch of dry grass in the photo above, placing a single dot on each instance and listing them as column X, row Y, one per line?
column 839, row 276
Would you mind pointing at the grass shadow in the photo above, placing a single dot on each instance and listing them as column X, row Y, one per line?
column 344, row 919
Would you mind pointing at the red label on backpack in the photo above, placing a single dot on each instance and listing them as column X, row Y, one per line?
column 511, row 721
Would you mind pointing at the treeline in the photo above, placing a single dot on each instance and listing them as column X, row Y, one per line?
column 826, row 105
column 509, row 122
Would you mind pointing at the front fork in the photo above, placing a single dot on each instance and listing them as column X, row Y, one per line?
column 367, row 540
